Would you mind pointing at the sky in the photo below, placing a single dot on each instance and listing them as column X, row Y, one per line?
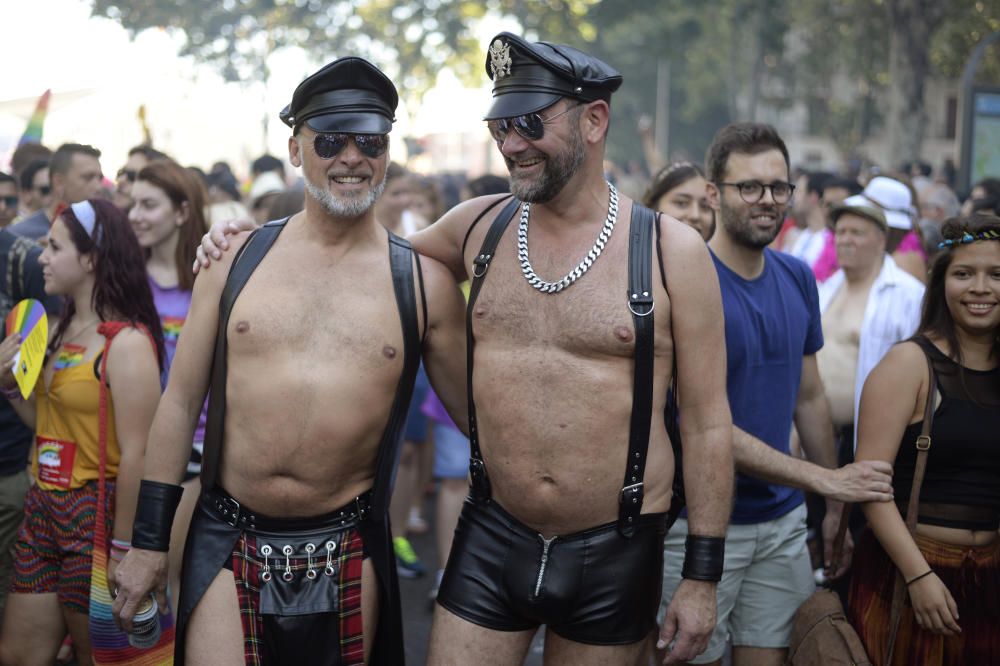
column 99, row 78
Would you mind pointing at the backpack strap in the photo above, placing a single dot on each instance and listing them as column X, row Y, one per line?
column 401, row 257
column 640, row 304
column 480, row 483
column 249, row 256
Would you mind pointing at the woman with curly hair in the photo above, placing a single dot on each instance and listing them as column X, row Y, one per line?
column 93, row 260
column 950, row 567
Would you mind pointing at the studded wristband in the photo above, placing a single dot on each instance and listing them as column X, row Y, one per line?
column 703, row 558
column 154, row 515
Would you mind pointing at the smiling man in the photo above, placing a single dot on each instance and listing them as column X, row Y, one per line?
column 564, row 353
column 772, row 335
column 289, row 559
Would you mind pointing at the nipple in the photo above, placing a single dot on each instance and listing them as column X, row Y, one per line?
column 242, row 326
column 623, row 333
column 480, row 311
column 389, row 351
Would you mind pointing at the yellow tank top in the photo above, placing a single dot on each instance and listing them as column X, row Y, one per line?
column 67, row 444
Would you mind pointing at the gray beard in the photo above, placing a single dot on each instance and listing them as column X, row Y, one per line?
column 558, row 170
column 348, row 207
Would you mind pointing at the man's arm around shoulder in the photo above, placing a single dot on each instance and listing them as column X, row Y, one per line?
column 444, row 239
column 444, row 346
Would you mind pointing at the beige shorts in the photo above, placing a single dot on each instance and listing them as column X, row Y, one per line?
column 767, row 575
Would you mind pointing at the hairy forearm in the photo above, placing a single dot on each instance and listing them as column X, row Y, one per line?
column 756, row 458
column 709, row 460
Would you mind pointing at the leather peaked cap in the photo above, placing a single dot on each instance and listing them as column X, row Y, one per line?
column 529, row 77
column 348, row 95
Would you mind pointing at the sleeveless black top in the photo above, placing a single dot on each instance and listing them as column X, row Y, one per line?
column 963, row 463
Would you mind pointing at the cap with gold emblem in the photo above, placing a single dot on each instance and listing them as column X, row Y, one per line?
column 529, row 77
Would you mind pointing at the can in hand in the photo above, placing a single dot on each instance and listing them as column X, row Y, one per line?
column 145, row 625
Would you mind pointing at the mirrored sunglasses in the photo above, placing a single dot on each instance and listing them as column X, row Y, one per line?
column 328, row 146
column 531, row 126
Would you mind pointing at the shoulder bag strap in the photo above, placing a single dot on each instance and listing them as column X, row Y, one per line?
column 640, row 304
column 401, row 257
column 243, row 266
column 912, row 508
column 480, row 484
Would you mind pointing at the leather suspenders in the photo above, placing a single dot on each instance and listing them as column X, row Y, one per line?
column 640, row 303
column 401, row 263
column 480, row 488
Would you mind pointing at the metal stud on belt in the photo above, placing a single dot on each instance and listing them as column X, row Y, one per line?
column 287, row 550
column 310, row 572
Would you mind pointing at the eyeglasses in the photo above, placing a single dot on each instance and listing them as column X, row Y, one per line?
column 531, row 126
column 751, row 191
column 130, row 174
column 9, row 202
column 329, row 146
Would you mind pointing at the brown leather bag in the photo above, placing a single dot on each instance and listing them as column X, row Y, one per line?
column 821, row 633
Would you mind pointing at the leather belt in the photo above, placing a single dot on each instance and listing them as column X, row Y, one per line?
column 228, row 509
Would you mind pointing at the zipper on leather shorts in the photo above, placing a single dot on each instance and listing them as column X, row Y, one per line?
column 546, row 544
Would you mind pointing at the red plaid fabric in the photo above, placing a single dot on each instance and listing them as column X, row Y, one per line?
column 247, row 567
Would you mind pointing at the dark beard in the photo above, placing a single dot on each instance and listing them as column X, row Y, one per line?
column 737, row 225
column 558, row 171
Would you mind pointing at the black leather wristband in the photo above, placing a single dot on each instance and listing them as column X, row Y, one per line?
column 154, row 515
column 703, row 558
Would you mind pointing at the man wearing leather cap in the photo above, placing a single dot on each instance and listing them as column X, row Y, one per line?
column 570, row 380
column 289, row 557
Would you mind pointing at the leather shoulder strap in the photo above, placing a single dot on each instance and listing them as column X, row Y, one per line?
column 640, row 304
column 250, row 255
column 477, row 468
column 923, row 445
column 401, row 257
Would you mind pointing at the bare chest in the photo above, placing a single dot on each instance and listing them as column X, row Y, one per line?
column 325, row 313
column 589, row 317
column 843, row 318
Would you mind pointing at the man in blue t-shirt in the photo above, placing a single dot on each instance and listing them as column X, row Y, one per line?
column 773, row 332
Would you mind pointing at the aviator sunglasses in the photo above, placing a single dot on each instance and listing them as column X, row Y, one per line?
column 531, row 126
column 371, row 145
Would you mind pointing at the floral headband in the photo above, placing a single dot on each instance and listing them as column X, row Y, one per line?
column 970, row 238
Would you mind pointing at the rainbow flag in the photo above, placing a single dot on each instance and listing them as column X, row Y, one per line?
column 33, row 132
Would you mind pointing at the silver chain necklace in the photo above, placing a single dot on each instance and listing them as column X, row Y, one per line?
column 581, row 268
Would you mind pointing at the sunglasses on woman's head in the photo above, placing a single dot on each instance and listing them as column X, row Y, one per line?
column 531, row 126
column 329, row 146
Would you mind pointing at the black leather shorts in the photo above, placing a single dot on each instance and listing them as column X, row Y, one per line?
column 594, row 586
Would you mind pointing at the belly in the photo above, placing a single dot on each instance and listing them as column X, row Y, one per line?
column 958, row 537
column 302, row 438
column 556, row 446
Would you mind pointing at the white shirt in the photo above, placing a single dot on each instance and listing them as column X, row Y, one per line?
column 809, row 245
column 892, row 314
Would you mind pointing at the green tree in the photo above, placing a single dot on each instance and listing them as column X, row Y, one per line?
column 410, row 39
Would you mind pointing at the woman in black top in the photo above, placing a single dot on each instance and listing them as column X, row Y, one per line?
column 951, row 568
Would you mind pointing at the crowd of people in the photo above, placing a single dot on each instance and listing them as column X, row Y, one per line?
column 250, row 448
